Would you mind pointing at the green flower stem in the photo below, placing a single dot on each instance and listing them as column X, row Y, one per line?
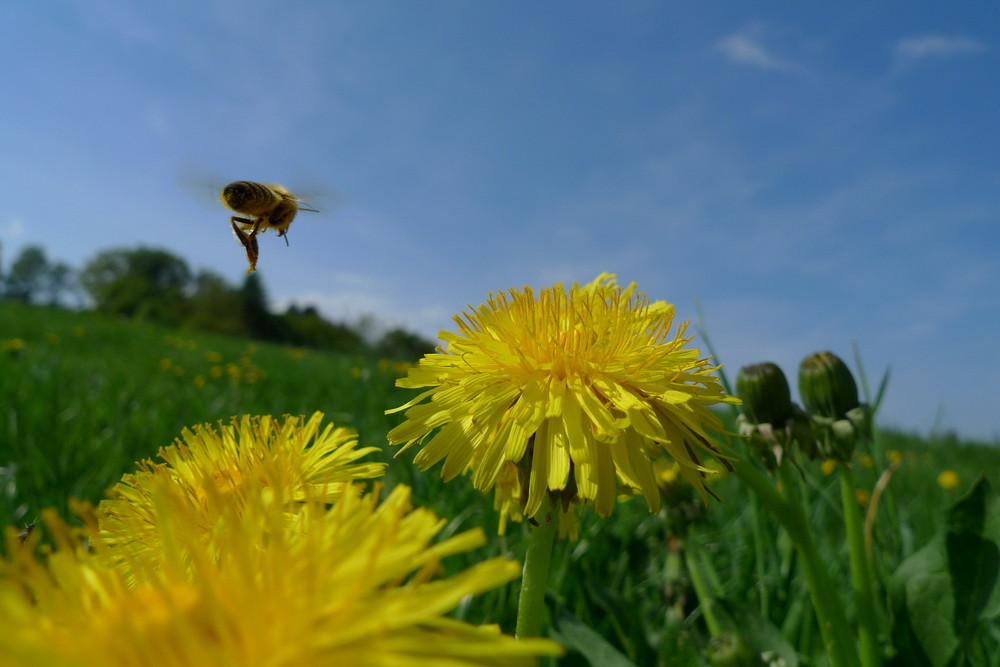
column 535, row 576
column 836, row 632
column 790, row 513
column 860, row 572
column 694, row 558
column 760, row 556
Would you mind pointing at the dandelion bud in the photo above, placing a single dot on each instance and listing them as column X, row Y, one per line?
column 765, row 394
column 827, row 386
column 770, row 420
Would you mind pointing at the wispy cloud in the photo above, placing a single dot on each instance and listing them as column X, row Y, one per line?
column 929, row 46
column 12, row 228
column 745, row 50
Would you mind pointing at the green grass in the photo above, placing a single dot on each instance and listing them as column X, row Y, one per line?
column 85, row 397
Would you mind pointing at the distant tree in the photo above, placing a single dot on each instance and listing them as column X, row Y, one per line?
column 144, row 283
column 60, row 281
column 215, row 306
column 257, row 319
column 307, row 328
column 403, row 345
column 28, row 275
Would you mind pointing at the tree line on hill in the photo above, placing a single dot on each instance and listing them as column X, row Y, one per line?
column 154, row 285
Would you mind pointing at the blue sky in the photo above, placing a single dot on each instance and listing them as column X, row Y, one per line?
column 814, row 175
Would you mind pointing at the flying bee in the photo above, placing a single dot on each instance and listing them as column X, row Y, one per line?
column 265, row 206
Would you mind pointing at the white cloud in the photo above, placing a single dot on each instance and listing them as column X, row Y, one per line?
column 925, row 46
column 746, row 51
column 12, row 228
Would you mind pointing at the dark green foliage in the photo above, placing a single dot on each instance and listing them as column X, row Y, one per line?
column 155, row 286
column 143, row 284
column 214, row 306
column 402, row 344
column 307, row 328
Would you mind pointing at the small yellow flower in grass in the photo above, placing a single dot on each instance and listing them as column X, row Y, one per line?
column 297, row 353
column 948, row 480
column 358, row 583
column 579, row 389
column 829, row 466
column 12, row 345
column 217, row 469
column 862, row 496
column 894, row 456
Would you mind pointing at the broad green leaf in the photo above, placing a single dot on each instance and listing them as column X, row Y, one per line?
column 973, row 558
column 922, row 596
column 941, row 592
column 574, row 635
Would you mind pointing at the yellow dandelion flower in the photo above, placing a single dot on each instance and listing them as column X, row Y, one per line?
column 894, row 456
column 828, row 466
column 216, row 371
column 213, row 357
column 165, row 364
column 220, row 468
column 948, row 480
column 12, row 345
column 581, row 389
column 199, row 381
column 667, row 472
column 862, row 496
column 356, row 583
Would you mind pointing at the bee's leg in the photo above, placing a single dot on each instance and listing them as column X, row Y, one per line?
column 249, row 242
column 246, row 223
column 284, row 234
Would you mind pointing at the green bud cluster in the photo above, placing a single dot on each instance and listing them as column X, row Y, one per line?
column 770, row 421
column 829, row 427
column 830, row 395
column 827, row 386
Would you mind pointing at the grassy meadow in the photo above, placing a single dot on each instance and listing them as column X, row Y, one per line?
column 83, row 397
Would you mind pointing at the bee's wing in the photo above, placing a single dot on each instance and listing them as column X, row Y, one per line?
column 319, row 199
column 202, row 188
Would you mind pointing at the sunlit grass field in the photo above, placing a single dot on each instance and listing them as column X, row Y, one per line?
column 82, row 398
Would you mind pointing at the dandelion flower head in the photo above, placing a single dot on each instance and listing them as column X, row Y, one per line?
column 580, row 389
column 354, row 581
column 219, row 469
